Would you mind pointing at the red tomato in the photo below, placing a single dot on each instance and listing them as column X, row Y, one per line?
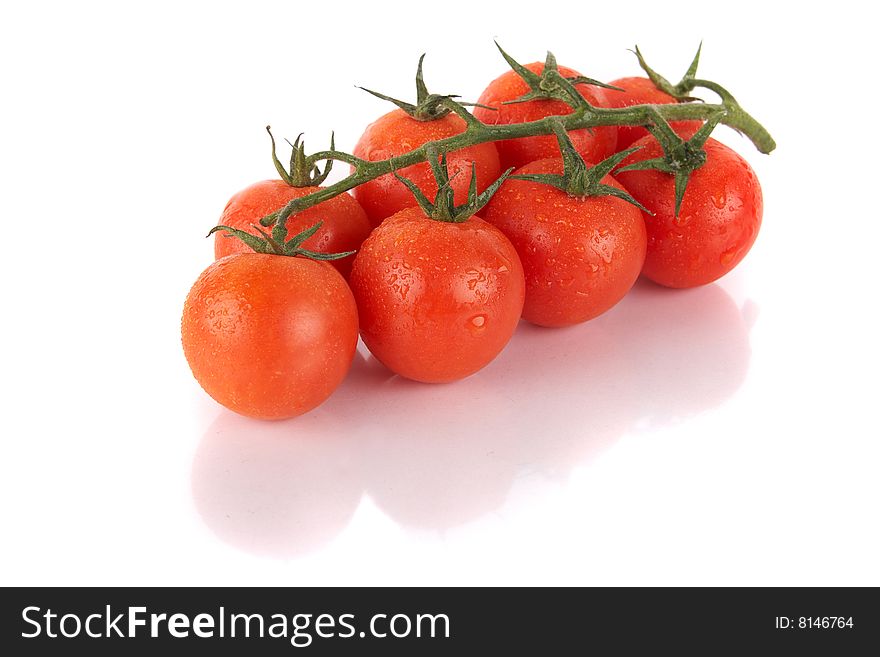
column 437, row 300
column 396, row 133
column 580, row 255
column 344, row 222
column 593, row 146
column 639, row 91
column 718, row 222
column 269, row 336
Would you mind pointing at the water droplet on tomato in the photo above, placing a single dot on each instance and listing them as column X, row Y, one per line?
column 478, row 321
column 728, row 256
column 683, row 220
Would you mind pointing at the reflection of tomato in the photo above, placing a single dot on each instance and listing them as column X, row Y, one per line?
column 269, row 336
column 638, row 91
column 437, row 300
column 718, row 221
column 276, row 490
column 396, row 133
column 700, row 336
column 442, row 466
column 579, row 255
column 594, row 146
column 344, row 224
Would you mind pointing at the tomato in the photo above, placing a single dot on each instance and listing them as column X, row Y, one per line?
column 344, row 222
column 639, row 91
column 437, row 300
column 593, row 146
column 580, row 255
column 396, row 133
column 269, row 336
column 718, row 222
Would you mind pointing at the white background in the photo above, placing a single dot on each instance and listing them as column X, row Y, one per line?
column 724, row 435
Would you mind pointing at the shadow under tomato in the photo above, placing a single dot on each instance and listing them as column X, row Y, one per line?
column 282, row 489
column 435, row 457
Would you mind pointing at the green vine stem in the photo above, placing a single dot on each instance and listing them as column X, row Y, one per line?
column 584, row 115
column 737, row 118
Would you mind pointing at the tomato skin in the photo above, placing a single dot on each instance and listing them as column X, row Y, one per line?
column 639, row 91
column 344, row 223
column 719, row 219
column 267, row 336
column 437, row 300
column 593, row 147
column 396, row 133
column 580, row 255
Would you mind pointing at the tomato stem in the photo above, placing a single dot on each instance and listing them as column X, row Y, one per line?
column 584, row 115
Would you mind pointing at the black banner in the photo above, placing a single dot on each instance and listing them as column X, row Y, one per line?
column 418, row 621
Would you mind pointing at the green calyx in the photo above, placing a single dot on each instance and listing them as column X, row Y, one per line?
column 680, row 91
column 680, row 157
column 301, row 173
column 737, row 118
column 276, row 242
column 579, row 180
column 428, row 106
column 443, row 208
column 550, row 83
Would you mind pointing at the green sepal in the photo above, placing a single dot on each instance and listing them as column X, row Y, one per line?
column 680, row 91
column 314, row 255
column 285, row 175
column 301, row 172
column 423, row 201
column 530, row 78
column 428, row 106
column 258, row 244
column 577, row 179
column 680, row 158
column 608, row 190
column 445, row 194
column 583, row 79
column 480, row 202
column 409, row 108
column 659, row 81
column 277, row 243
column 550, row 84
column 443, row 208
column 279, row 232
column 472, row 187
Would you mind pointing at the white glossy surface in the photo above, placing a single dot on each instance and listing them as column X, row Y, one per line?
column 725, row 435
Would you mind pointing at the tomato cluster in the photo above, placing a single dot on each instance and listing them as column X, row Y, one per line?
column 434, row 290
